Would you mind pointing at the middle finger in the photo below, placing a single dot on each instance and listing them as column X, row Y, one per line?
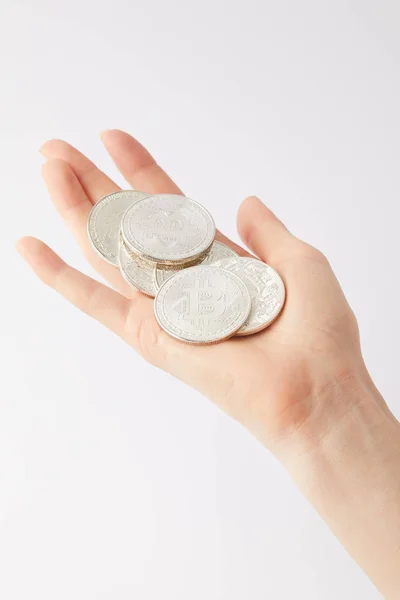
column 142, row 172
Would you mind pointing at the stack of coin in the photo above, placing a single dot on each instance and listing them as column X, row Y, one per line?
column 165, row 247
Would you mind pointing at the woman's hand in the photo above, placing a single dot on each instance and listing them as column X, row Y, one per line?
column 300, row 386
column 273, row 382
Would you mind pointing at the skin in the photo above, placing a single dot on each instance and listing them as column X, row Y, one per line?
column 300, row 386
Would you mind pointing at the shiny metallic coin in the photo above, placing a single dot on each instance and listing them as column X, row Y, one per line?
column 217, row 251
column 137, row 273
column 105, row 220
column 266, row 289
column 168, row 229
column 202, row 305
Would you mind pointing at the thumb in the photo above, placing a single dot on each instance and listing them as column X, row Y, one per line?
column 262, row 232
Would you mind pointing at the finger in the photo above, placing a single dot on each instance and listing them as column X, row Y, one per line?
column 133, row 320
column 136, row 164
column 225, row 240
column 94, row 182
column 90, row 296
column 142, row 172
column 262, row 231
column 74, row 206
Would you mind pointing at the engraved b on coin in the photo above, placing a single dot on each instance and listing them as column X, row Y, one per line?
column 200, row 303
column 169, row 229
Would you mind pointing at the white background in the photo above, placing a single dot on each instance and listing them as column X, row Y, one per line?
column 116, row 481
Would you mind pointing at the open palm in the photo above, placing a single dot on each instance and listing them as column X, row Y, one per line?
column 271, row 382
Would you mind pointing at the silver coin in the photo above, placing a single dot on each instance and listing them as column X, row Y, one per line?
column 168, row 229
column 105, row 220
column 137, row 273
column 202, row 305
column 266, row 289
column 217, row 251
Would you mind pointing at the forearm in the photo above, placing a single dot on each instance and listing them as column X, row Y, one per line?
column 350, row 471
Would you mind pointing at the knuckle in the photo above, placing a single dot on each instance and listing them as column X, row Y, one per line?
column 148, row 340
column 314, row 254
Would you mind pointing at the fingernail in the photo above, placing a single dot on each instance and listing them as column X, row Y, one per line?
column 20, row 248
column 41, row 149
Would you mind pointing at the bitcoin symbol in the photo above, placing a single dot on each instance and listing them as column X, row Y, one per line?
column 201, row 303
column 169, row 229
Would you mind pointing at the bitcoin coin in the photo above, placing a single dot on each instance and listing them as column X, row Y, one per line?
column 105, row 220
column 266, row 289
column 168, row 229
column 137, row 273
column 202, row 304
column 217, row 251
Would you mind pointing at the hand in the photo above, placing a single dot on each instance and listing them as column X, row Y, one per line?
column 273, row 382
column 300, row 386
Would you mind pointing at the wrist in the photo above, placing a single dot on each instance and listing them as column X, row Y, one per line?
column 342, row 408
column 347, row 464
